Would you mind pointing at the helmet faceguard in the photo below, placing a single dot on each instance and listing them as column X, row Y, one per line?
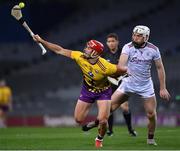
column 144, row 31
column 96, row 49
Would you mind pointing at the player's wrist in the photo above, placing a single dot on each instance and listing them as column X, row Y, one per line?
column 43, row 41
column 162, row 88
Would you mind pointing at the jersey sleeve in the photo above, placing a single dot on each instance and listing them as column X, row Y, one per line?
column 157, row 55
column 75, row 55
column 112, row 68
column 125, row 50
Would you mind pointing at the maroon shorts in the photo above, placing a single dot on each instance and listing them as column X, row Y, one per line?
column 91, row 97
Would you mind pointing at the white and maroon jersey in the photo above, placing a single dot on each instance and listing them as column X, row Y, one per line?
column 139, row 62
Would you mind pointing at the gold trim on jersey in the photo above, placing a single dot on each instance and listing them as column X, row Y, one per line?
column 98, row 90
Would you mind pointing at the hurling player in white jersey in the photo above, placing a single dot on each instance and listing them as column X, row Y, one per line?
column 138, row 56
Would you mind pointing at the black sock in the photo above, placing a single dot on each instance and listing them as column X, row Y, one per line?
column 127, row 117
column 96, row 122
column 150, row 136
column 110, row 122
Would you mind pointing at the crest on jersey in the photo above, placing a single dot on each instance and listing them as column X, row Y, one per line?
column 148, row 54
column 90, row 74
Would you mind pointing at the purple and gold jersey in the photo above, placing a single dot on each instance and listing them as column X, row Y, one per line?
column 95, row 75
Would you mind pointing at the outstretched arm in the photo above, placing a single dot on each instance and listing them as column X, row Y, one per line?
column 53, row 47
column 162, row 79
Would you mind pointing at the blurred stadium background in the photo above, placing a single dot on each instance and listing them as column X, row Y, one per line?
column 45, row 88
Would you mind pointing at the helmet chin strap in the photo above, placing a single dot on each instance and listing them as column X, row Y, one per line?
column 142, row 45
column 92, row 55
column 137, row 45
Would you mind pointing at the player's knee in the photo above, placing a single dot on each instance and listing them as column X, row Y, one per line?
column 151, row 115
column 125, row 108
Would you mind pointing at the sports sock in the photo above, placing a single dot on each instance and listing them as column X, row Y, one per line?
column 110, row 122
column 127, row 117
column 150, row 136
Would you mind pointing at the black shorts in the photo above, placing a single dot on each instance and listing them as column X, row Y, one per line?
column 5, row 108
column 114, row 87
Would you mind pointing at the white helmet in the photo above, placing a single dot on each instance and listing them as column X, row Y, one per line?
column 144, row 30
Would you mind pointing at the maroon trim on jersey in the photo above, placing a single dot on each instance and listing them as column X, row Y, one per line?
column 150, row 45
column 124, row 53
column 101, row 66
column 130, row 45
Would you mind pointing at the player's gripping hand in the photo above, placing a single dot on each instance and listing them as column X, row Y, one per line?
column 121, row 70
column 37, row 38
column 118, row 80
column 164, row 94
column 113, row 81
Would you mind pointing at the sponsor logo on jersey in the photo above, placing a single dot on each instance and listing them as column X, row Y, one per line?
column 136, row 60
